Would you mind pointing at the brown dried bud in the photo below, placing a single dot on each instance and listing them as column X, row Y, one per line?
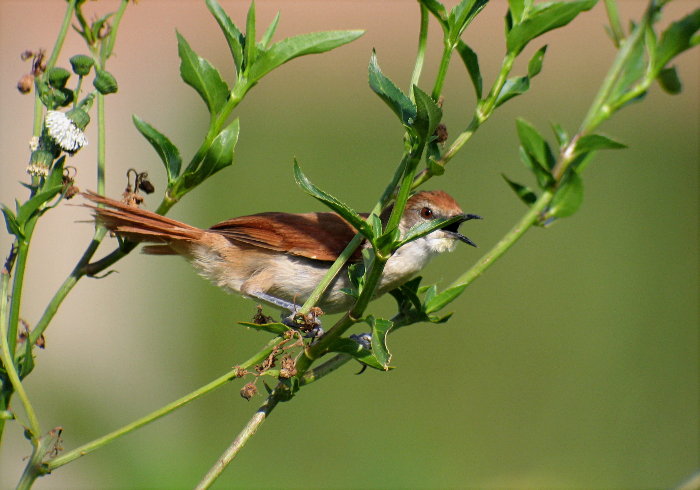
column 25, row 83
column 249, row 391
column 441, row 133
column 146, row 186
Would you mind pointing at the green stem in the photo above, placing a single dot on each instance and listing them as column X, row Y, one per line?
column 508, row 240
column 101, row 145
column 422, row 45
column 18, row 282
column 442, row 71
column 241, row 439
column 108, row 44
column 65, row 25
column 155, row 415
column 6, row 355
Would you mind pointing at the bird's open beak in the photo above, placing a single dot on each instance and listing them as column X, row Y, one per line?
column 453, row 229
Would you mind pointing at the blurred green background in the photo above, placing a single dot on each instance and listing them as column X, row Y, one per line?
column 572, row 363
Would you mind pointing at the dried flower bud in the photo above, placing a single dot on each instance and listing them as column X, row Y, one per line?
column 26, row 54
column 105, row 82
column 249, row 391
column 288, row 367
column 25, row 83
column 441, row 133
column 146, row 186
column 81, row 64
column 58, row 77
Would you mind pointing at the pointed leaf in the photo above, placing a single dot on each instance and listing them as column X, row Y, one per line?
column 250, row 48
column 234, row 37
column 276, row 328
column 202, row 76
column 293, row 47
column 592, row 142
column 670, row 81
column 390, row 93
column 561, row 135
column 351, row 347
column 437, row 9
column 427, row 227
column 678, row 37
column 428, row 114
column 568, row 198
column 439, row 301
column 267, row 37
column 29, row 208
column 27, row 360
column 513, row 87
column 544, row 178
column 525, row 194
column 349, row 214
column 13, row 226
column 534, row 67
column 518, row 9
column 167, row 151
column 380, row 329
column 471, row 61
column 535, row 145
column 543, row 18
column 462, row 15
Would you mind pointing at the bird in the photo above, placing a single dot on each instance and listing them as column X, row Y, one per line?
column 278, row 258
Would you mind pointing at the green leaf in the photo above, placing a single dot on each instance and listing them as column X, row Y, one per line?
column 27, row 360
column 438, row 10
column 471, row 62
column 267, row 37
column 542, row 18
column 13, row 226
column 435, row 167
column 568, row 198
column 219, row 156
column 234, row 37
column 592, row 142
column 525, row 194
column 561, row 135
column 29, row 208
column 670, row 81
column 167, row 151
column 461, row 16
column 518, row 9
column 351, row 347
column 276, row 328
column 301, row 45
column 202, row 76
column 380, row 329
column 390, row 93
column 534, row 144
column 534, row 67
column 428, row 114
column 350, row 215
column 250, row 48
column 678, row 37
column 544, row 178
column 388, row 238
column 512, row 88
column 439, row 301
column 427, row 227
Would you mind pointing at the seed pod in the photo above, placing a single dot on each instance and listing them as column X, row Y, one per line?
column 81, row 64
column 248, row 391
column 58, row 77
column 105, row 83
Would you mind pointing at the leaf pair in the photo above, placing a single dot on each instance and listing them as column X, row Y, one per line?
column 538, row 157
column 378, row 356
column 420, row 117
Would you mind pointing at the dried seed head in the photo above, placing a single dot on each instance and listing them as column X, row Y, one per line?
column 249, row 391
column 441, row 133
column 288, row 367
column 25, row 83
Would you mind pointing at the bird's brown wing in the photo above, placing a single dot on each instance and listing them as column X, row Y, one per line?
column 318, row 236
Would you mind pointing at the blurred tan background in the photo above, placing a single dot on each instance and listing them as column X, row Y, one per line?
column 572, row 363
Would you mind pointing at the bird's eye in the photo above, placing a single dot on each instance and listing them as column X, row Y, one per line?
column 426, row 213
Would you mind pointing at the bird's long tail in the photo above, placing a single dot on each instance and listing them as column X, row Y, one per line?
column 140, row 225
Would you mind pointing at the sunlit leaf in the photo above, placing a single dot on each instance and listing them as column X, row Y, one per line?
column 471, row 62
column 568, row 197
column 397, row 101
column 202, row 76
column 234, row 37
column 166, row 150
column 442, row 299
column 525, row 194
column 428, row 114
